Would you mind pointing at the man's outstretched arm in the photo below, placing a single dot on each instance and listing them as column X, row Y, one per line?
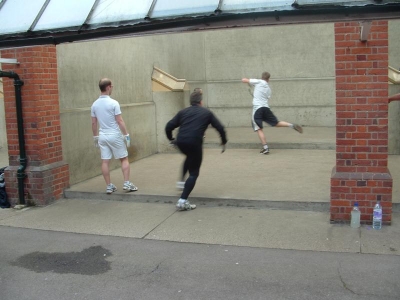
column 395, row 97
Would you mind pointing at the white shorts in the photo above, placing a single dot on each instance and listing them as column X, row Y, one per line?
column 112, row 144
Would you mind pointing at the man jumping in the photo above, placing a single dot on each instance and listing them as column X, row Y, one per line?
column 261, row 110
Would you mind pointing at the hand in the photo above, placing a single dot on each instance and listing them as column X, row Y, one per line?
column 96, row 141
column 172, row 143
column 127, row 140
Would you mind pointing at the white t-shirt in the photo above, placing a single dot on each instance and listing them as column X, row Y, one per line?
column 105, row 109
column 261, row 94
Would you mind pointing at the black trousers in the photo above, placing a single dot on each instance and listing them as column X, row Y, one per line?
column 194, row 156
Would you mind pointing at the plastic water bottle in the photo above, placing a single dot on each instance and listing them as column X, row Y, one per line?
column 377, row 216
column 355, row 216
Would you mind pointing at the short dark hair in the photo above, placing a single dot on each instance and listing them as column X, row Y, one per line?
column 265, row 76
column 104, row 83
column 195, row 98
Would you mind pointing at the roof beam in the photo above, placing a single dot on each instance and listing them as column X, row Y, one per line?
column 89, row 16
column 2, row 3
column 39, row 15
column 207, row 22
column 150, row 12
column 219, row 8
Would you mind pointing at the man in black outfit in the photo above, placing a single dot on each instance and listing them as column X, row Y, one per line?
column 192, row 122
column 181, row 184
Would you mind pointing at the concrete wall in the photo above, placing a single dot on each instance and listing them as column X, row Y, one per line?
column 394, row 122
column 79, row 72
column 129, row 63
column 394, row 107
column 301, row 62
column 300, row 59
column 167, row 105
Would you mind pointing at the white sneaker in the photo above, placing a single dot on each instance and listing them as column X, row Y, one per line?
column 111, row 188
column 180, row 185
column 183, row 204
column 130, row 187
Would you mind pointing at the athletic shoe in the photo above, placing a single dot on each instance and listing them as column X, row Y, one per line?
column 180, row 185
column 298, row 128
column 130, row 187
column 184, row 205
column 111, row 188
column 264, row 151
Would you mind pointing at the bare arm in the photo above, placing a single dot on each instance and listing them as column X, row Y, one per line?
column 395, row 97
column 94, row 126
column 121, row 124
column 247, row 80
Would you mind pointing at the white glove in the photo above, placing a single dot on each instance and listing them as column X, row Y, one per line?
column 128, row 140
column 96, row 141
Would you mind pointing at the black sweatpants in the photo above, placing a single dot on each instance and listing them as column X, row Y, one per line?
column 194, row 156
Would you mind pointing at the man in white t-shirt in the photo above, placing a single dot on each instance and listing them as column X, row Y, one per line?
column 261, row 110
column 107, row 125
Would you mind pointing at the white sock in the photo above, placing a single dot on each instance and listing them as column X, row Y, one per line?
column 265, row 146
column 291, row 125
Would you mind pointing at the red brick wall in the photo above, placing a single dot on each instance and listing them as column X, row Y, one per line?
column 361, row 172
column 47, row 174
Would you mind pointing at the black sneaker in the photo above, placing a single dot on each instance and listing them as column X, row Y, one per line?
column 298, row 128
column 264, row 151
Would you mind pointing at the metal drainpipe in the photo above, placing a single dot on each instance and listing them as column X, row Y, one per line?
column 21, row 139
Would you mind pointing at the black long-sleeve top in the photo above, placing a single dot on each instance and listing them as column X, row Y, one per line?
column 193, row 122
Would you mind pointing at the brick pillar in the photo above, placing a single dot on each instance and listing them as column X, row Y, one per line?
column 361, row 173
column 47, row 173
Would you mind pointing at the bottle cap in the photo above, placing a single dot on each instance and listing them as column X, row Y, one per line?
column 356, row 204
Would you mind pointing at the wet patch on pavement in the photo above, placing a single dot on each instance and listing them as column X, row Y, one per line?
column 90, row 261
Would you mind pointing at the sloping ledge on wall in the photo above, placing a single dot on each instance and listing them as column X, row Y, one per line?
column 167, row 81
column 394, row 75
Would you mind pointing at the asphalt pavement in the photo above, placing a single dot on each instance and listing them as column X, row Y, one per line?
column 49, row 265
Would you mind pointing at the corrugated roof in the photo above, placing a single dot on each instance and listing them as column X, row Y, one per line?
column 33, row 22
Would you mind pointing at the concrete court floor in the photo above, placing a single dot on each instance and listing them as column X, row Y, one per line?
column 295, row 175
